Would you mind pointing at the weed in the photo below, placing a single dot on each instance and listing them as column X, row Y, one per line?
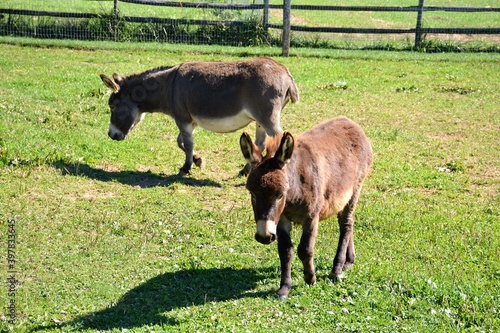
column 458, row 90
column 438, row 46
column 452, row 166
column 410, row 89
column 338, row 85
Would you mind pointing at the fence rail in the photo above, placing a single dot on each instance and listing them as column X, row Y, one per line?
column 310, row 7
column 198, row 5
column 27, row 12
column 450, row 31
column 264, row 9
column 418, row 30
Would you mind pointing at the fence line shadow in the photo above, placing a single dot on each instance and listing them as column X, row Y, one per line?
column 133, row 178
column 150, row 302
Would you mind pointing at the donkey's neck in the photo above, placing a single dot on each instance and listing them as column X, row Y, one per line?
column 156, row 84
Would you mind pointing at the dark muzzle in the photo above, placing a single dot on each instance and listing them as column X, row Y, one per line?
column 265, row 240
column 116, row 135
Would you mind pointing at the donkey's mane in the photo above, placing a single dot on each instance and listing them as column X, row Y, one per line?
column 147, row 72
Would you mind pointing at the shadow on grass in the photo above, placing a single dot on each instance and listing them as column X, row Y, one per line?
column 132, row 178
column 149, row 303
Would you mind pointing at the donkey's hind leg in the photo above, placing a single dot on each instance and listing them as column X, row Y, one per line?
column 260, row 137
column 346, row 254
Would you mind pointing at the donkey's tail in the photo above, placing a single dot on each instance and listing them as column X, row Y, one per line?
column 293, row 92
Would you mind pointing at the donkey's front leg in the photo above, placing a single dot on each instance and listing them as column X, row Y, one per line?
column 345, row 250
column 285, row 251
column 186, row 143
column 306, row 249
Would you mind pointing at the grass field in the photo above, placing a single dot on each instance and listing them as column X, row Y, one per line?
column 104, row 28
column 303, row 17
column 108, row 239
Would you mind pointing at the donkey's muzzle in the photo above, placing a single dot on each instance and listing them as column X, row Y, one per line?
column 266, row 231
column 268, row 239
column 116, row 135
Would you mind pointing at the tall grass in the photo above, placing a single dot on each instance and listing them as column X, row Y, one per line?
column 106, row 27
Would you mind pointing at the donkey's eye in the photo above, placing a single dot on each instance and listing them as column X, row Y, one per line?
column 280, row 197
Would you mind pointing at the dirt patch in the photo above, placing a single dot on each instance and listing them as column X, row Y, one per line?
column 465, row 38
column 294, row 19
column 447, row 137
column 383, row 24
column 108, row 168
column 97, row 195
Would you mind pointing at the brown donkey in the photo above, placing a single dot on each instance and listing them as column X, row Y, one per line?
column 218, row 96
column 305, row 180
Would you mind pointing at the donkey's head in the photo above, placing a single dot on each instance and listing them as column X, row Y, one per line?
column 124, row 105
column 267, row 183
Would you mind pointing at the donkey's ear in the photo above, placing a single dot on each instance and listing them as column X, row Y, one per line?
column 109, row 83
column 285, row 150
column 118, row 79
column 250, row 151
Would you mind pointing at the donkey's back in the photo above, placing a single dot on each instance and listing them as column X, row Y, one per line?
column 225, row 96
column 335, row 156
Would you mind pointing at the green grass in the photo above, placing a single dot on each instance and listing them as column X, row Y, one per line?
column 109, row 239
column 106, row 7
column 104, row 28
column 404, row 20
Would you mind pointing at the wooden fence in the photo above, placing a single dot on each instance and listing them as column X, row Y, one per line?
column 418, row 31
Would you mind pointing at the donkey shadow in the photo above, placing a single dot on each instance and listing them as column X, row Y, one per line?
column 149, row 303
column 133, row 178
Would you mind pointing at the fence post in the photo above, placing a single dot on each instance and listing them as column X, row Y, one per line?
column 265, row 18
column 418, row 29
column 116, row 13
column 287, row 4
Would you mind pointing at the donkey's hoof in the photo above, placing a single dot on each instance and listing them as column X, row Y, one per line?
column 183, row 173
column 283, row 293
column 337, row 278
column 282, row 296
column 198, row 161
column 310, row 279
column 347, row 266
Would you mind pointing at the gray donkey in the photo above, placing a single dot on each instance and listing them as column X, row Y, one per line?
column 218, row 96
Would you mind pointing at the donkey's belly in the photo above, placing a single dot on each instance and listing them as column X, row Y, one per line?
column 224, row 125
